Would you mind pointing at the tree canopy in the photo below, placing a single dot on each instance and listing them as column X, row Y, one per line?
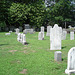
column 34, row 12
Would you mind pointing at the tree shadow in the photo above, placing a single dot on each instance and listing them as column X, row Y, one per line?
column 63, row 47
column 3, row 44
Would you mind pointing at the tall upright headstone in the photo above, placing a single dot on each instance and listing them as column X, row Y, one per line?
column 19, row 37
column 42, row 31
column 71, row 35
column 71, row 61
column 55, row 37
column 48, row 30
column 24, row 39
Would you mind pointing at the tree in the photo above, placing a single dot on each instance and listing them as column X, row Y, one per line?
column 61, row 12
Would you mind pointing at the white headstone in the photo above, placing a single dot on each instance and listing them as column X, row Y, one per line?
column 24, row 39
column 55, row 37
column 71, row 35
column 64, row 33
column 19, row 37
column 10, row 31
column 48, row 30
column 71, row 61
column 7, row 33
column 42, row 31
column 40, row 36
column 17, row 31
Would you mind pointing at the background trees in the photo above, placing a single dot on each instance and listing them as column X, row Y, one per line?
column 18, row 12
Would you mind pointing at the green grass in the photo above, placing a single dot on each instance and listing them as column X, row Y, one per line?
column 36, row 57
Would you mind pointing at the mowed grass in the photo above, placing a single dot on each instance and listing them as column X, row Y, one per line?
column 36, row 58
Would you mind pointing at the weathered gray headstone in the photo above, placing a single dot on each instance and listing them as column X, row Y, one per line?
column 55, row 37
column 6, row 29
column 20, row 29
column 58, row 56
column 12, row 28
column 27, row 26
column 48, row 30
column 71, row 61
column 71, row 35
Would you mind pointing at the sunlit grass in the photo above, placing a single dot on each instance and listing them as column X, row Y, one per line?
column 35, row 57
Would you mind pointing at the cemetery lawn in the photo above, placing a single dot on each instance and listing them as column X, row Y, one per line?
column 36, row 58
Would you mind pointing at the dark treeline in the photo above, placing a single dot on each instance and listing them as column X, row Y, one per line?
column 19, row 12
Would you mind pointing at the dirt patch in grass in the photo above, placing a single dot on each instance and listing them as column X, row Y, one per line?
column 25, row 51
column 12, row 51
column 24, row 71
column 15, row 61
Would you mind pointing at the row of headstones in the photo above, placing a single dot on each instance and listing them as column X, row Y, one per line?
column 21, row 38
column 10, row 28
column 64, row 33
column 55, row 38
column 56, row 35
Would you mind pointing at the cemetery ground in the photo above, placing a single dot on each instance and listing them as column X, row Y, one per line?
column 36, row 58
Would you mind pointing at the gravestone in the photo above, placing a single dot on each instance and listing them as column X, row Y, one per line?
column 31, row 31
column 40, row 36
column 48, row 30
column 20, row 29
column 55, row 37
column 24, row 39
column 26, row 26
column 42, row 31
column 12, row 28
column 7, row 33
column 64, row 33
column 10, row 31
column 19, row 37
column 25, row 31
column 17, row 31
column 71, row 61
column 71, row 35
column 57, row 56
column 6, row 29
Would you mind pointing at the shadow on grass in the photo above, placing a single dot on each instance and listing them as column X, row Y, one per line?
column 63, row 47
column 3, row 44
column 26, row 43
